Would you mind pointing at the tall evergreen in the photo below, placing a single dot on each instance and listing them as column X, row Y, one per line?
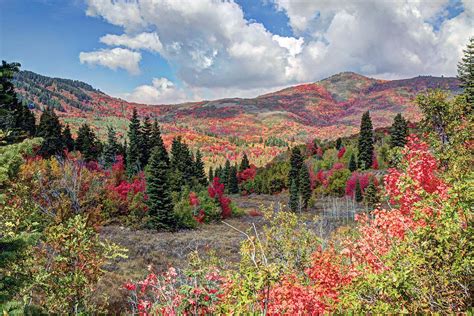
column 294, row 198
column 304, row 187
column 352, row 163
column 218, row 173
column 296, row 162
column 134, row 146
column 211, row 175
column 50, row 130
column 244, row 164
column 157, row 141
column 358, row 192
column 366, row 142
column 371, row 196
column 68, row 141
column 111, row 148
column 16, row 119
column 145, row 134
column 398, row 131
column 466, row 72
column 225, row 174
column 87, row 143
column 338, row 143
column 199, row 172
column 158, row 190
column 232, row 182
column 182, row 165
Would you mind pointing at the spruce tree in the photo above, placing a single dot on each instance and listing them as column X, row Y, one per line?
column 67, row 139
column 466, row 72
column 218, row 173
column 366, row 142
column 398, row 131
column 244, row 164
column 157, row 141
column 87, row 143
column 352, row 163
column 199, row 172
column 111, row 148
column 233, row 183
column 145, row 134
column 338, row 143
column 304, row 187
column 358, row 192
column 294, row 198
column 371, row 196
column 134, row 146
column 296, row 162
column 211, row 175
column 158, row 190
column 50, row 130
column 225, row 175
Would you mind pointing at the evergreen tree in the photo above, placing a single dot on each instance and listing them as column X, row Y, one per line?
column 50, row 130
column 398, row 132
column 218, row 173
column 371, row 196
column 134, row 157
column 225, row 174
column 199, row 172
column 16, row 119
column 233, row 183
column 157, row 141
column 67, row 139
column 158, row 190
column 211, row 175
column 145, row 134
column 296, row 162
column 366, row 142
column 294, row 199
column 466, row 71
column 352, row 163
column 111, row 148
column 244, row 164
column 304, row 187
column 338, row 143
column 87, row 143
column 358, row 192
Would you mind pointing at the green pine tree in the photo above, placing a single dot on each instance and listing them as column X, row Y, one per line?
column 371, row 196
column 157, row 141
column 145, row 134
column 366, row 142
column 304, row 187
column 199, row 172
column 358, row 192
column 111, row 148
column 296, row 162
column 134, row 146
column 50, row 130
column 352, row 163
column 244, row 164
column 225, row 175
column 87, row 143
column 398, row 131
column 68, row 141
column 158, row 190
column 294, row 198
column 466, row 72
column 233, row 183
column 211, row 175
column 338, row 143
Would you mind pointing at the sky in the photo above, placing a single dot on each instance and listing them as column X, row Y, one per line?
column 172, row 51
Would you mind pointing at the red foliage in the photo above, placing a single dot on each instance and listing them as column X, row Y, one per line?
column 364, row 180
column 341, row 152
column 216, row 191
column 375, row 163
column 247, row 174
column 255, row 213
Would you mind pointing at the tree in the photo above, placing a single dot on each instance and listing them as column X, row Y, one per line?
column 225, row 174
column 211, row 175
column 232, row 182
column 296, row 162
column 352, row 163
column 87, row 143
column 304, row 186
column 158, row 190
column 134, row 156
column 366, row 142
column 145, row 134
column 244, row 164
column 338, row 143
column 67, row 139
column 157, row 141
column 371, row 196
column 199, row 172
column 16, row 119
column 358, row 192
column 398, row 131
column 466, row 71
column 111, row 148
column 50, row 130
column 294, row 199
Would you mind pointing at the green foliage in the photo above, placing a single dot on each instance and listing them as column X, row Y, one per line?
column 371, row 195
column 182, row 165
column 398, row 132
column 270, row 180
column 366, row 142
column 296, row 162
column 244, row 164
column 275, row 141
column 49, row 129
column 211, row 174
column 337, row 182
column 338, row 144
column 67, row 139
column 111, row 148
column 88, row 144
column 146, row 144
column 294, row 202
column 352, row 163
column 199, row 173
column 304, row 187
column 358, row 192
column 134, row 150
column 232, row 182
column 183, row 210
column 466, row 71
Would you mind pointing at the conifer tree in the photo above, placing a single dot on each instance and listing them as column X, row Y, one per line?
column 244, row 164
column 296, row 162
column 225, row 174
column 67, row 139
column 352, row 163
column 338, row 143
column 371, row 196
column 87, row 143
column 233, row 183
column 50, row 130
column 358, row 192
column 294, row 198
column 366, row 142
column 134, row 157
column 304, row 187
column 158, row 190
column 199, row 172
column 157, row 141
column 111, row 148
column 466, row 71
column 398, row 131
column 145, row 134
column 211, row 175
column 218, row 173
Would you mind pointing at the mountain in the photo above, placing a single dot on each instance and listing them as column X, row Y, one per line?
column 325, row 109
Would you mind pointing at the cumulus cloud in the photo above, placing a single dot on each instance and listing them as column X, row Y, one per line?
column 145, row 41
column 161, row 91
column 114, row 59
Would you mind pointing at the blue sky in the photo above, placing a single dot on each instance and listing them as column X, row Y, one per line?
column 213, row 49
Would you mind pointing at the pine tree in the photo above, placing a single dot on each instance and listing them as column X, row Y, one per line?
column 157, row 141
column 294, row 199
column 304, row 187
column 211, row 175
column 398, row 132
column 87, row 143
column 352, row 163
column 296, row 162
column 218, row 173
column 158, row 190
column 233, row 183
column 111, row 148
column 50, row 130
column 134, row 147
column 67, row 139
column 358, row 192
column 199, row 172
column 371, row 196
column 366, row 141
column 338, row 143
column 225, row 175
column 145, row 134
column 244, row 164
column 466, row 71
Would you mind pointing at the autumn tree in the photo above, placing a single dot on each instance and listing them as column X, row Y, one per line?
column 87, row 143
column 398, row 131
column 244, row 164
column 304, row 187
column 68, row 141
column 134, row 156
column 366, row 142
column 466, row 71
column 49, row 129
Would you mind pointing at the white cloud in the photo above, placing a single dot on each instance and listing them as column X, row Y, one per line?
column 161, row 91
column 145, row 41
column 114, row 59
